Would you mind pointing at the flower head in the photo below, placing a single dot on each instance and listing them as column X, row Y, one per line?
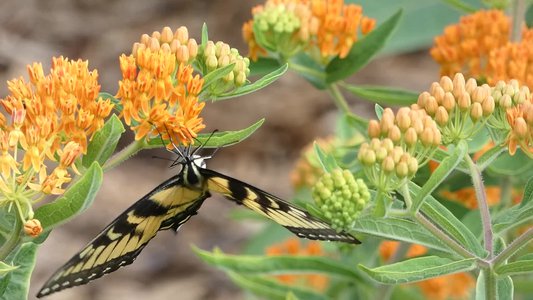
column 159, row 92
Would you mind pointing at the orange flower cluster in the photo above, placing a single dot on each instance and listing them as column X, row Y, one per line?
column 307, row 169
column 453, row 286
column 293, row 246
column 329, row 25
column 160, row 94
column 520, row 119
column 465, row 47
column 52, row 117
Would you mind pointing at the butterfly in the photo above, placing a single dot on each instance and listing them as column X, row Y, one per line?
column 169, row 206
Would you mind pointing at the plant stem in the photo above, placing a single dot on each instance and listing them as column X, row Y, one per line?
column 12, row 242
column 445, row 238
column 518, row 16
column 490, row 285
column 124, row 154
column 481, row 197
column 305, row 70
column 518, row 243
column 339, row 99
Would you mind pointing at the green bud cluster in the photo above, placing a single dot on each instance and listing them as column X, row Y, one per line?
column 278, row 19
column 341, row 197
column 217, row 55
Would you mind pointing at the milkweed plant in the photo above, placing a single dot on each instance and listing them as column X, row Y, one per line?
column 438, row 185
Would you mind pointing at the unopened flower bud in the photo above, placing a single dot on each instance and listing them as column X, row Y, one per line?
column 374, row 130
column 446, row 83
column 442, row 117
column 471, row 84
column 33, row 228
column 402, row 170
column 476, row 111
column 464, row 102
column 388, row 165
column 488, row 106
column 448, row 102
column 395, row 134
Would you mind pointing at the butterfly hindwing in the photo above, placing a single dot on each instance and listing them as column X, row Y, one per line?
column 166, row 207
column 294, row 219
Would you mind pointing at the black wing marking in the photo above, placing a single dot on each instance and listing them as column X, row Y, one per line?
column 294, row 219
column 166, row 207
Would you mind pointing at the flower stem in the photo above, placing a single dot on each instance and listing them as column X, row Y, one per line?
column 518, row 16
column 518, row 243
column 12, row 242
column 443, row 237
column 481, row 197
column 339, row 99
column 124, row 154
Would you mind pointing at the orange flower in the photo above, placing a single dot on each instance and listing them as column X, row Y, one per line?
column 158, row 91
column 293, row 246
column 520, row 120
column 467, row 196
column 453, row 286
column 465, row 47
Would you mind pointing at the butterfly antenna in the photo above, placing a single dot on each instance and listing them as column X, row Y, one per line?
column 206, row 141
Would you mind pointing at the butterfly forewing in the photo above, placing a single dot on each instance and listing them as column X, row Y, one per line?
column 167, row 206
column 294, row 219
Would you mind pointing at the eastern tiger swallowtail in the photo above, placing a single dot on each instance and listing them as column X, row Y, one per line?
column 170, row 205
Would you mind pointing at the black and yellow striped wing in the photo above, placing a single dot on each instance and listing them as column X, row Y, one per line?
column 294, row 219
column 166, row 207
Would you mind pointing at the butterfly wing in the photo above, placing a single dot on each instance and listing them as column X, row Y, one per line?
column 168, row 206
column 294, row 219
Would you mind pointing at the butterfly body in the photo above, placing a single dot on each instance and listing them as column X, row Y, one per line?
column 169, row 206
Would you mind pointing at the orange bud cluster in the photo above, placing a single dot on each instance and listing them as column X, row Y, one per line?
column 307, row 169
column 450, row 102
column 465, row 47
column 328, row 27
column 387, row 166
column 520, row 120
column 178, row 42
column 159, row 92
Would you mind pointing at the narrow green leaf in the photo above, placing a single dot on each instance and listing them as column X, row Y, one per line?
column 488, row 157
column 443, row 218
column 327, row 161
column 219, row 138
column 440, row 174
column 513, row 217
column 78, row 197
column 310, row 70
column 362, row 51
column 505, row 288
column 507, row 165
column 529, row 16
column 104, row 142
column 378, row 109
column 281, row 264
column 259, row 84
column 528, row 193
column 461, row 6
column 6, row 268
column 516, row 268
column 263, row 66
column 382, row 94
column 19, row 282
column 359, row 124
column 441, row 154
column 417, row 269
column 215, row 75
column 272, row 289
column 205, row 35
column 398, row 229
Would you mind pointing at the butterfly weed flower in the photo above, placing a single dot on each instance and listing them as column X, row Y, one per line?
column 218, row 55
column 410, row 128
column 321, row 28
column 387, row 166
column 340, row 197
column 465, row 47
column 460, row 108
column 159, row 91
column 295, row 247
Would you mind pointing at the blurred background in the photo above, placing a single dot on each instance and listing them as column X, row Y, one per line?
column 295, row 113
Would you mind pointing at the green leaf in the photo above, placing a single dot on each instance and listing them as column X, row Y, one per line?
column 439, row 175
column 461, row 6
column 382, row 94
column 78, row 197
column 507, row 165
column 249, row 88
column 6, row 268
column 219, row 138
column 513, row 217
column 443, row 218
column 398, row 229
column 359, row 124
column 516, row 268
column 282, row 264
column 417, row 269
column 263, row 66
column 505, row 288
column 310, row 70
column 378, row 109
column 327, row 161
column 529, row 16
column 215, row 75
column 488, row 157
column 205, row 35
column 362, row 51
column 19, row 281
column 272, row 289
column 104, row 142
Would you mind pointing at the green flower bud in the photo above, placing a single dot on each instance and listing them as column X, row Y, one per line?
column 341, row 197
